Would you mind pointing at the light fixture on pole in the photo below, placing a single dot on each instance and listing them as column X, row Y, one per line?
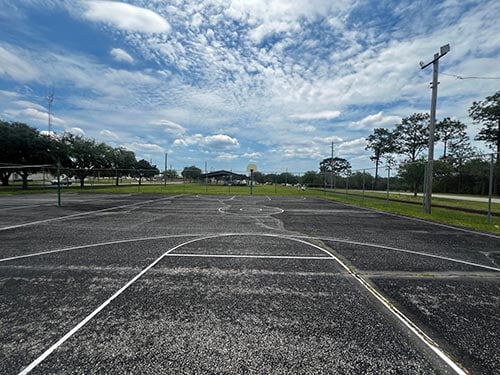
column 432, row 126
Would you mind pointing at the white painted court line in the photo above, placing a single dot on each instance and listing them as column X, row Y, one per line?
column 404, row 251
column 249, row 256
column 247, row 234
column 83, row 214
column 79, row 247
column 398, row 314
column 484, row 234
column 75, row 329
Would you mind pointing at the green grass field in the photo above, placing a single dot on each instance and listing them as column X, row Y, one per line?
column 404, row 204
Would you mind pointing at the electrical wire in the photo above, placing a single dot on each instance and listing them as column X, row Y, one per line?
column 462, row 77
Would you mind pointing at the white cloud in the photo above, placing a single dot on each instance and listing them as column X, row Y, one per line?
column 322, row 115
column 252, row 155
column 139, row 147
column 14, row 65
column 76, row 131
column 377, row 120
column 126, row 17
column 215, row 142
column 221, row 141
column 108, row 134
column 28, row 104
column 170, row 127
column 189, row 140
column 120, row 55
column 354, row 147
column 33, row 114
column 226, row 157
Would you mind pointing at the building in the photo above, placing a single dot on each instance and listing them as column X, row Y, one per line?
column 223, row 177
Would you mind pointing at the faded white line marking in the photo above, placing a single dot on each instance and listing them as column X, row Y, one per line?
column 405, row 251
column 398, row 314
column 81, row 214
column 423, row 221
column 249, row 256
column 75, row 329
column 96, row 245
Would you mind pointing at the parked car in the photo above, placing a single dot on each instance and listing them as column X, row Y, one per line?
column 64, row 180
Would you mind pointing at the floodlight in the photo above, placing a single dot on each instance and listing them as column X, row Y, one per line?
column 421, row 63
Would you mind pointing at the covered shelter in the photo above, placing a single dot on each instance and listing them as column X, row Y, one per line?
column 223, row 177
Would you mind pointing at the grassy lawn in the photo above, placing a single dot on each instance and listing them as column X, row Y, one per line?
column 369, row 200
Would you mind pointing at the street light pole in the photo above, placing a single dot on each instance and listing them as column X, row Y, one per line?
column 432, row 126
column 165, row 170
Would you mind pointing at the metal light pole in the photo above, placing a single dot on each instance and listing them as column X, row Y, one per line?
column 432, row 127
column 331, row 166
column 165, row 170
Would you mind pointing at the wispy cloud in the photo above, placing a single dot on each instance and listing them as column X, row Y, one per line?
column 120, row 55
column 322, row 115
column 377, row 120
column 14, row 65
column 126, row 17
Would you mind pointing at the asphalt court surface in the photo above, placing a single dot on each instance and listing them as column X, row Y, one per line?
column 240, row 284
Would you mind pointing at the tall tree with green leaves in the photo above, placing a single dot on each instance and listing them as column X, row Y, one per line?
column 336, row 165
column 191, row 173
column 412, row 135
column 144, row 168
column 452, row 133
column 86, row 155
column 122, row 161
column 381, row 142
column 487, row 113
column 23, row 147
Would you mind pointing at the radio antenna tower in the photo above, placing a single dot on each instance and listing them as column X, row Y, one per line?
column 50, row 99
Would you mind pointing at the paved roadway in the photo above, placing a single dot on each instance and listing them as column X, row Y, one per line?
column 208, row 285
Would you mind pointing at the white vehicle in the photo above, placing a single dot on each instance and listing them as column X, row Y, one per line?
column 63, row 180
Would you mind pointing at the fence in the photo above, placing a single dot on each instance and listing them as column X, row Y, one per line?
column 474, row 175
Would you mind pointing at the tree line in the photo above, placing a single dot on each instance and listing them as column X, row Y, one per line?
column 24, row 150
column 460, row 168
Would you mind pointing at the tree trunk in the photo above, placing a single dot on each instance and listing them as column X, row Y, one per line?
column 24, row 176
column 5, row 178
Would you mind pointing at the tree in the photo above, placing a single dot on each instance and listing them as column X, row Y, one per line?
column 144, row 168
column 8, row 154
column 258, row 177
column 171, row 174
column 287, row 178
column 22, row 147
column 122, row 161
column 413, row 173
column 412, row 135
column 85, row 154
column 336, row 165
column 381, row 142
column 452, row 133
column 487, row 113
column 191, row 173
column 311, row 178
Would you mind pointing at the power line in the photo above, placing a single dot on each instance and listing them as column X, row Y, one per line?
column 471, row 77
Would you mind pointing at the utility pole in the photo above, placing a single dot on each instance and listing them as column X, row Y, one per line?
column 432, row 126
column 165, row 171
column 331, row 167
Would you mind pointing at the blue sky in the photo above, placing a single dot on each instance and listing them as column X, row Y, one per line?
column 233, row 82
